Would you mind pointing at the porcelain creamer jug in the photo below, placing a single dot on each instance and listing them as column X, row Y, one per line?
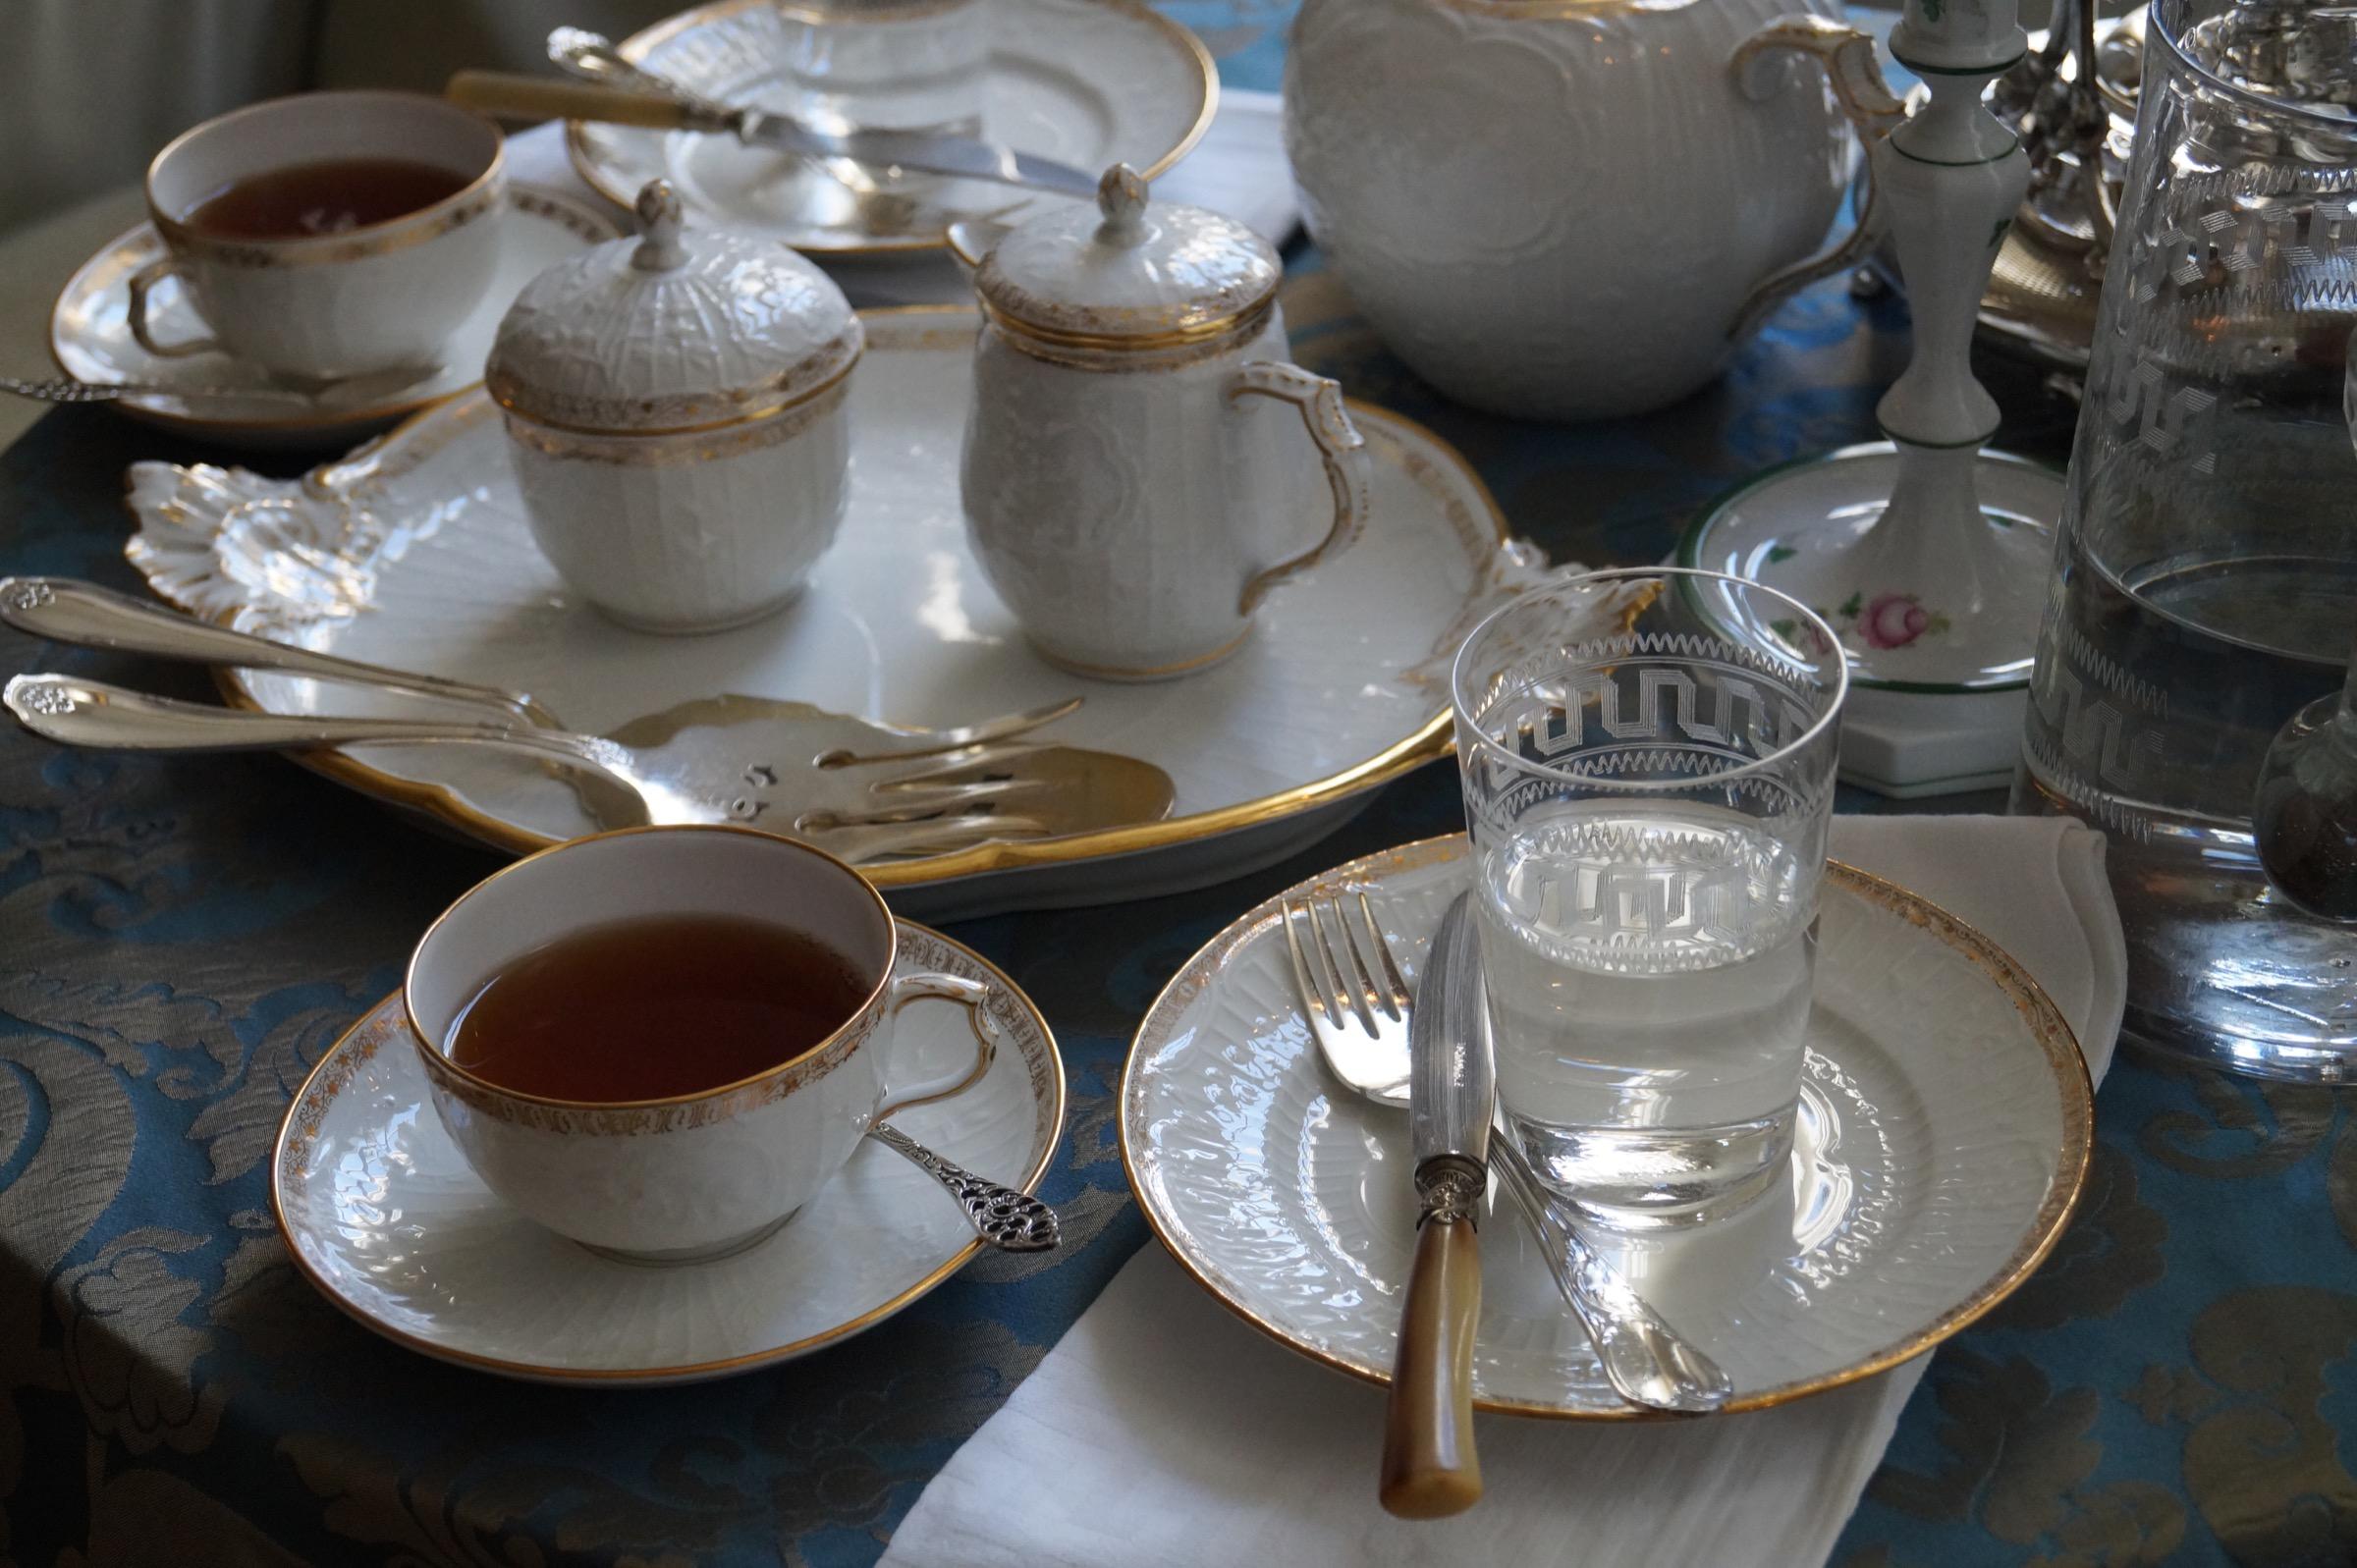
column 1134, row 480
column 1572, row 208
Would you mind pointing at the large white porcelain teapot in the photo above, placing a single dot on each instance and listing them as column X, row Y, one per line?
column 1573, row 208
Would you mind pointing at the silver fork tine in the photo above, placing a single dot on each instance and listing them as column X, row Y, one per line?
column 1401, row 998
column 1355, row 996
column 918, row 796
column 858, row 843
column 1361, row 969
column 1313, row 995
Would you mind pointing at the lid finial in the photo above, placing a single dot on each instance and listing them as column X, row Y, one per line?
column 659, row 217
column 1121, row 198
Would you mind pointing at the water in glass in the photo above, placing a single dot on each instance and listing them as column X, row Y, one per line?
column 1647, row 778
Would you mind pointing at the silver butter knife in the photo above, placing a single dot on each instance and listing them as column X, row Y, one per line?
column 512, row 96
column 1428, row 1466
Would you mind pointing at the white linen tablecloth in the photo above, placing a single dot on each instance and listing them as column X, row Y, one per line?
column 1161, row 1431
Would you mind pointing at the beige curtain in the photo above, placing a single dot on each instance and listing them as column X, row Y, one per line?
column 90, row 89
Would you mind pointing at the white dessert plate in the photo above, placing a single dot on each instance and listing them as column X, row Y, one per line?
column 381, row 1212
column 413, row 553
column 1087, row 82
column 1946, row 1128
column 89, row 335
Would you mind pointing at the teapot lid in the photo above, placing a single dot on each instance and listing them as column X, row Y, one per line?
column 676, row 330
column 1128, row 275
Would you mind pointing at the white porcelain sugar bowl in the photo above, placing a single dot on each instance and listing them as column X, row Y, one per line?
column 675, row 408
column 1133, row 483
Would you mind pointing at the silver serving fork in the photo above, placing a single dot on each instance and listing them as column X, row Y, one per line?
column 1357, row 1003
column 908, row 805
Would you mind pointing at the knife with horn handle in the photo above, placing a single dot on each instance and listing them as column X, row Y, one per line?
column 1430, row 1469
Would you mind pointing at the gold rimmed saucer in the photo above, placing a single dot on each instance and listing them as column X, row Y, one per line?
column 381, row 1213
column 1947, row 1122
column 90, row 339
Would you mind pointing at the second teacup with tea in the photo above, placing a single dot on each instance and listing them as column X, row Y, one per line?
column 663, row 1042
column 327, row 235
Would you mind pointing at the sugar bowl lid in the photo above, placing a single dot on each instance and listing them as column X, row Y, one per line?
column 1129, row 274
column 676, row 330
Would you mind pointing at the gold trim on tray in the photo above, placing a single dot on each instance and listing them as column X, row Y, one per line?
column 638, row 45
column 2045, row 1020
column 375, row 1028
column 1428, row 742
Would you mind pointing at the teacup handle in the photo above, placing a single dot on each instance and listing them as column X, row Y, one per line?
column 1006, row 1219
column 1319, row 398
column 1847, row 56
column 972, row 995
column 142, row 284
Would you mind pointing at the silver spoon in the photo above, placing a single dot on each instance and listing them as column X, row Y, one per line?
column 87, row 616
column 66, row 389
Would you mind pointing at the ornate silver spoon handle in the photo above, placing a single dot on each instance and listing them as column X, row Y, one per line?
column 65, row 389
column 1010, row 1221
column 65, row 609
column 1644, row 1359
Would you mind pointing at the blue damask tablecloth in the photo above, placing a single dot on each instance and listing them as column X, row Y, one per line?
column 179, row 940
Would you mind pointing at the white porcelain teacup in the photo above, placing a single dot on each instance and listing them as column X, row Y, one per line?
column 381, row 297
column 699, row 1175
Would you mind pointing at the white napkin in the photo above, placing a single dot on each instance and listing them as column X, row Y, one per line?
column 1238, row 168
column 1161, row 1431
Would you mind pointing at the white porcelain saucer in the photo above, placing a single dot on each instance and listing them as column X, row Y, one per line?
column 1088, row 83
column 1945, row 1132
column 381, row 1212
column 89, row 335
column 414, row 554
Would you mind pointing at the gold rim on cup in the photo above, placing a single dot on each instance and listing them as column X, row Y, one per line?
column 438, row 1060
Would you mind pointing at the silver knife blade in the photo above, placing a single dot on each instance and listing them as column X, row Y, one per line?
column 959, row 157
column 1452, row 1086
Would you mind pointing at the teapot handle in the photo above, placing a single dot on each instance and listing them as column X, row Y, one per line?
column 1344, row 450
column 1847, row 56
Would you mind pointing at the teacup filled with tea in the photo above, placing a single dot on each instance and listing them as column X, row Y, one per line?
column 329, row 234
column 663, row 1042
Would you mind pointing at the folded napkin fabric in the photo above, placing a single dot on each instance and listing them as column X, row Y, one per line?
column 1164, row 1432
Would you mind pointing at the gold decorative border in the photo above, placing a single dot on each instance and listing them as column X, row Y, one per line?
column 676, row 1110
column 134, row 248
column 2045, row 1022
column 1111, row 352
column 665, row 449
column 638, row 45
column 430, row 222
column 376, row 239
column 336, row 1069
column 1432, row 739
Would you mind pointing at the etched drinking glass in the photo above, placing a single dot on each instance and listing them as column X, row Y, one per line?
column 1648, row 759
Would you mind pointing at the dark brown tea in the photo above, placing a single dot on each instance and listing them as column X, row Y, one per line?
column 646, row 1009
column 305, row 200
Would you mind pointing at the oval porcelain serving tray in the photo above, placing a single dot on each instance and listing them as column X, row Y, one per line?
column 413, row 553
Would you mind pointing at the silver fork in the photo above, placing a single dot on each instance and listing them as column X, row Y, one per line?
column 1357, row 1003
